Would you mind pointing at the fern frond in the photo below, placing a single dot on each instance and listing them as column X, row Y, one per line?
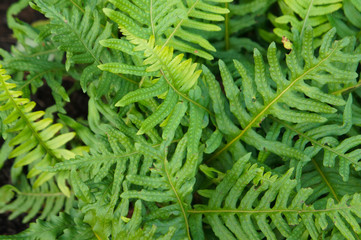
column 135, row 164
column 347, row 24
column 62, row 227
column 47, row 200
column 300, row 14
column 172, row 23
column 327, row 183
column 283, row 96
column 250, row 204
column 78, row 32
column 34, row 59
column 38, row 68
column 37, row 143
column 321, row 137
column 78, row 35
column 174, row 78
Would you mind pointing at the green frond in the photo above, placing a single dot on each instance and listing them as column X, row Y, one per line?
column 327, row 183
column 78, row 32
column 324, row 143
column 174, row 78
column 293, row 97
column 36, row 142
column 62, row 227
column 35, row 60
column 78, row 35
column 140, row 171
column 262, row 144
column 300, row 14
column 47, row 200
column 122, row 161
column 347, row 23
column 250, row 204
column 172, row 23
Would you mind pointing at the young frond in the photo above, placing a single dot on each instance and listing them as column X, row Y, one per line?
column 172, row 23
column 36, row 142
column 174, row 77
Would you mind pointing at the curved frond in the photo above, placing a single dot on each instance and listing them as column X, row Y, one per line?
column 320, row 141
column 36, row 142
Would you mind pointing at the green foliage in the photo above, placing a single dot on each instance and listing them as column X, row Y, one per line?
column 263, row 143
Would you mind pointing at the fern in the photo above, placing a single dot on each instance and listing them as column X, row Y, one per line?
column 77, row 31
column 36, row 143
column 174, row 77
column 253, row 217
column 59, row 227
column 171, row 23
column 263, row 143
column 261, row 99
column 300, row 14
column 47, row 198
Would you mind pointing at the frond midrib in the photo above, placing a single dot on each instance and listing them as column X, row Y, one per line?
column 185, row 96
column 271, row 103
column 98, row 61
column 173, row 78
column 28, row 123
column 325, row 180
column 104, row 158
column 179, row 24
column 180, row 203
column 315, row 142
column 270, row 211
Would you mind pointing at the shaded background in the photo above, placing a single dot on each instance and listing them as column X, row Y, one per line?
column 76, row 108
column 6, row 40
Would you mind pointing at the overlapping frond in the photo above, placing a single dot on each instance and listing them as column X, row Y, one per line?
column 348, row 23
column 264, row 147
column 292, row 97
column 34, row 59
column 37, row 142
column 250, row 204
column 320, row 141
column 300, row 14
column 172, row 23
column 139, row 169
column 77, row 32
column 174, row 77
column 171, row 181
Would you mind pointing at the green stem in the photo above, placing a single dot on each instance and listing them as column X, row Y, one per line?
column 226, row 30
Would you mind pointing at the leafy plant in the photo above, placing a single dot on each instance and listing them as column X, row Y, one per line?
column 200, row 124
